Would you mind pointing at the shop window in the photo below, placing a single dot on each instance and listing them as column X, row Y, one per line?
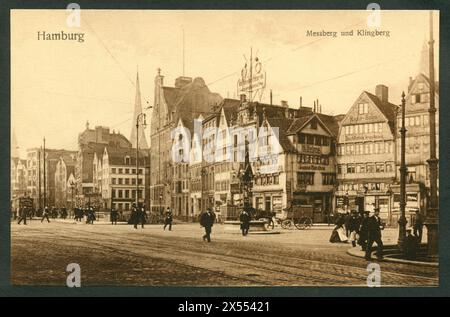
column 379, row 168
column 350, row 168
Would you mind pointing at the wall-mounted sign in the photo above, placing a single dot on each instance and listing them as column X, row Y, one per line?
column 368, row 136
column 311, row 167
column 253, row 77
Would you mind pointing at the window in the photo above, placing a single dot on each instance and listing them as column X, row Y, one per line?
column 127, row 193
column 113, row 170
column 379, row 167
column 310, row 139
column 314, row 124
column 120, row 170
column 363, row 108
column 362, row 168
column 120, row 181
column 276, row 179
column 328, row 179
column 425, row 120
column 127, row 181
column 350, row 169
column 417, row 120
column 120, row 193
column 305, row 178
column 318, row 140
column 370, row 168
column 127, row 171
column 113, row 181
column 389, row 167
column 302, row 138
column 339, row 169
column 416, row 98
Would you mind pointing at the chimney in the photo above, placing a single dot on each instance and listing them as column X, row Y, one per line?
column 301, row 103
column 284, row 103
column 182, row 81
column 314, row 108
column 271, row 97
column 382, row 92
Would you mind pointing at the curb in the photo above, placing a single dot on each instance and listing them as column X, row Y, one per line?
column 360, row 254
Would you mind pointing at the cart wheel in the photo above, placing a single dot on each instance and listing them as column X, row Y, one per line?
column 286, row 224
column 308, row 223
column 299, row 224
column 269, row 225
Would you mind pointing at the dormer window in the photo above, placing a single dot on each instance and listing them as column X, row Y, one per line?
column 127, row 160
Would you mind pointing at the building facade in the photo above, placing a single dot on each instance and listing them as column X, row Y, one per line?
column 417, row 145
column 188, row 99
column 366, row 156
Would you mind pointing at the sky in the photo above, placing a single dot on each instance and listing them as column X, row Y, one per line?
column 57, row 86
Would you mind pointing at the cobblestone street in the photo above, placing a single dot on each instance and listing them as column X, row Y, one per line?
column 121, row 255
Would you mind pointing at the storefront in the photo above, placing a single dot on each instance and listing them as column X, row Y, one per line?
column 415, row 200
column 269, row 201
column 320, row 202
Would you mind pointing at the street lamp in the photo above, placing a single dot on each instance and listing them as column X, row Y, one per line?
column 72, row 187
column 403, row 170
column 144, row 124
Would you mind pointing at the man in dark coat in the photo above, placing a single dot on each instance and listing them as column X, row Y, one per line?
column 363, row 230
column 245, row 218
column 45, row 214
column 411, row 245
column 91, row 216
column 374, row 227
column 23, row 215
column 134, row 219
column 207, row 220
column 168, row 219
column 418, row 226
column 142, row 217
column 114, row 216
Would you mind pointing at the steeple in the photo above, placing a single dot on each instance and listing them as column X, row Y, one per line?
column 14, row 145
column 137, row 110
column 424, row 64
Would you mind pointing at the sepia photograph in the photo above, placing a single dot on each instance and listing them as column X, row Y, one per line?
column 224, row 148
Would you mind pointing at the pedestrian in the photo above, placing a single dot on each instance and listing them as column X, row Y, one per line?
column 45, row 214
column 374, row 227
column 90, row 216
column 23, row 215
column 363, row 230
column 134, row 219
column 207, row 221
column 245, row 218
column 142, row 217
column 168, row 219
column 114, row 215
column 411, row 245
column 418, row 226
column 352, row 226
column 347, row 220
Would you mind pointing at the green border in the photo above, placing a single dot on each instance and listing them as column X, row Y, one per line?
column 7, row 290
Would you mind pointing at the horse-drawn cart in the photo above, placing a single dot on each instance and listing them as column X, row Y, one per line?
column 299, row 217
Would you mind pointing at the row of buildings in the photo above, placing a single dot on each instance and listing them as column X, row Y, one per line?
column 298, row 156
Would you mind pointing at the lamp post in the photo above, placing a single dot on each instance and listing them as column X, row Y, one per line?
column 432, row 218
column 144, row 124
column 403, row 170
column 72, row 187
column 203, row 175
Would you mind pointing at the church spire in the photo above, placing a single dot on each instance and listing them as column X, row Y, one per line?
column 424, row 59
column 14, row 145
column 137, row 110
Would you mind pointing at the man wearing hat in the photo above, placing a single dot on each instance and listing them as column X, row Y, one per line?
column 374, row 227
column 411, row 245
column 418, row 225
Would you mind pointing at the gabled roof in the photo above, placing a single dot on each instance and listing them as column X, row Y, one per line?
column 327, row 121
column 388, row 109
column 189, row 101
column 283, row 125
column 230, row 108
column 116, row 156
